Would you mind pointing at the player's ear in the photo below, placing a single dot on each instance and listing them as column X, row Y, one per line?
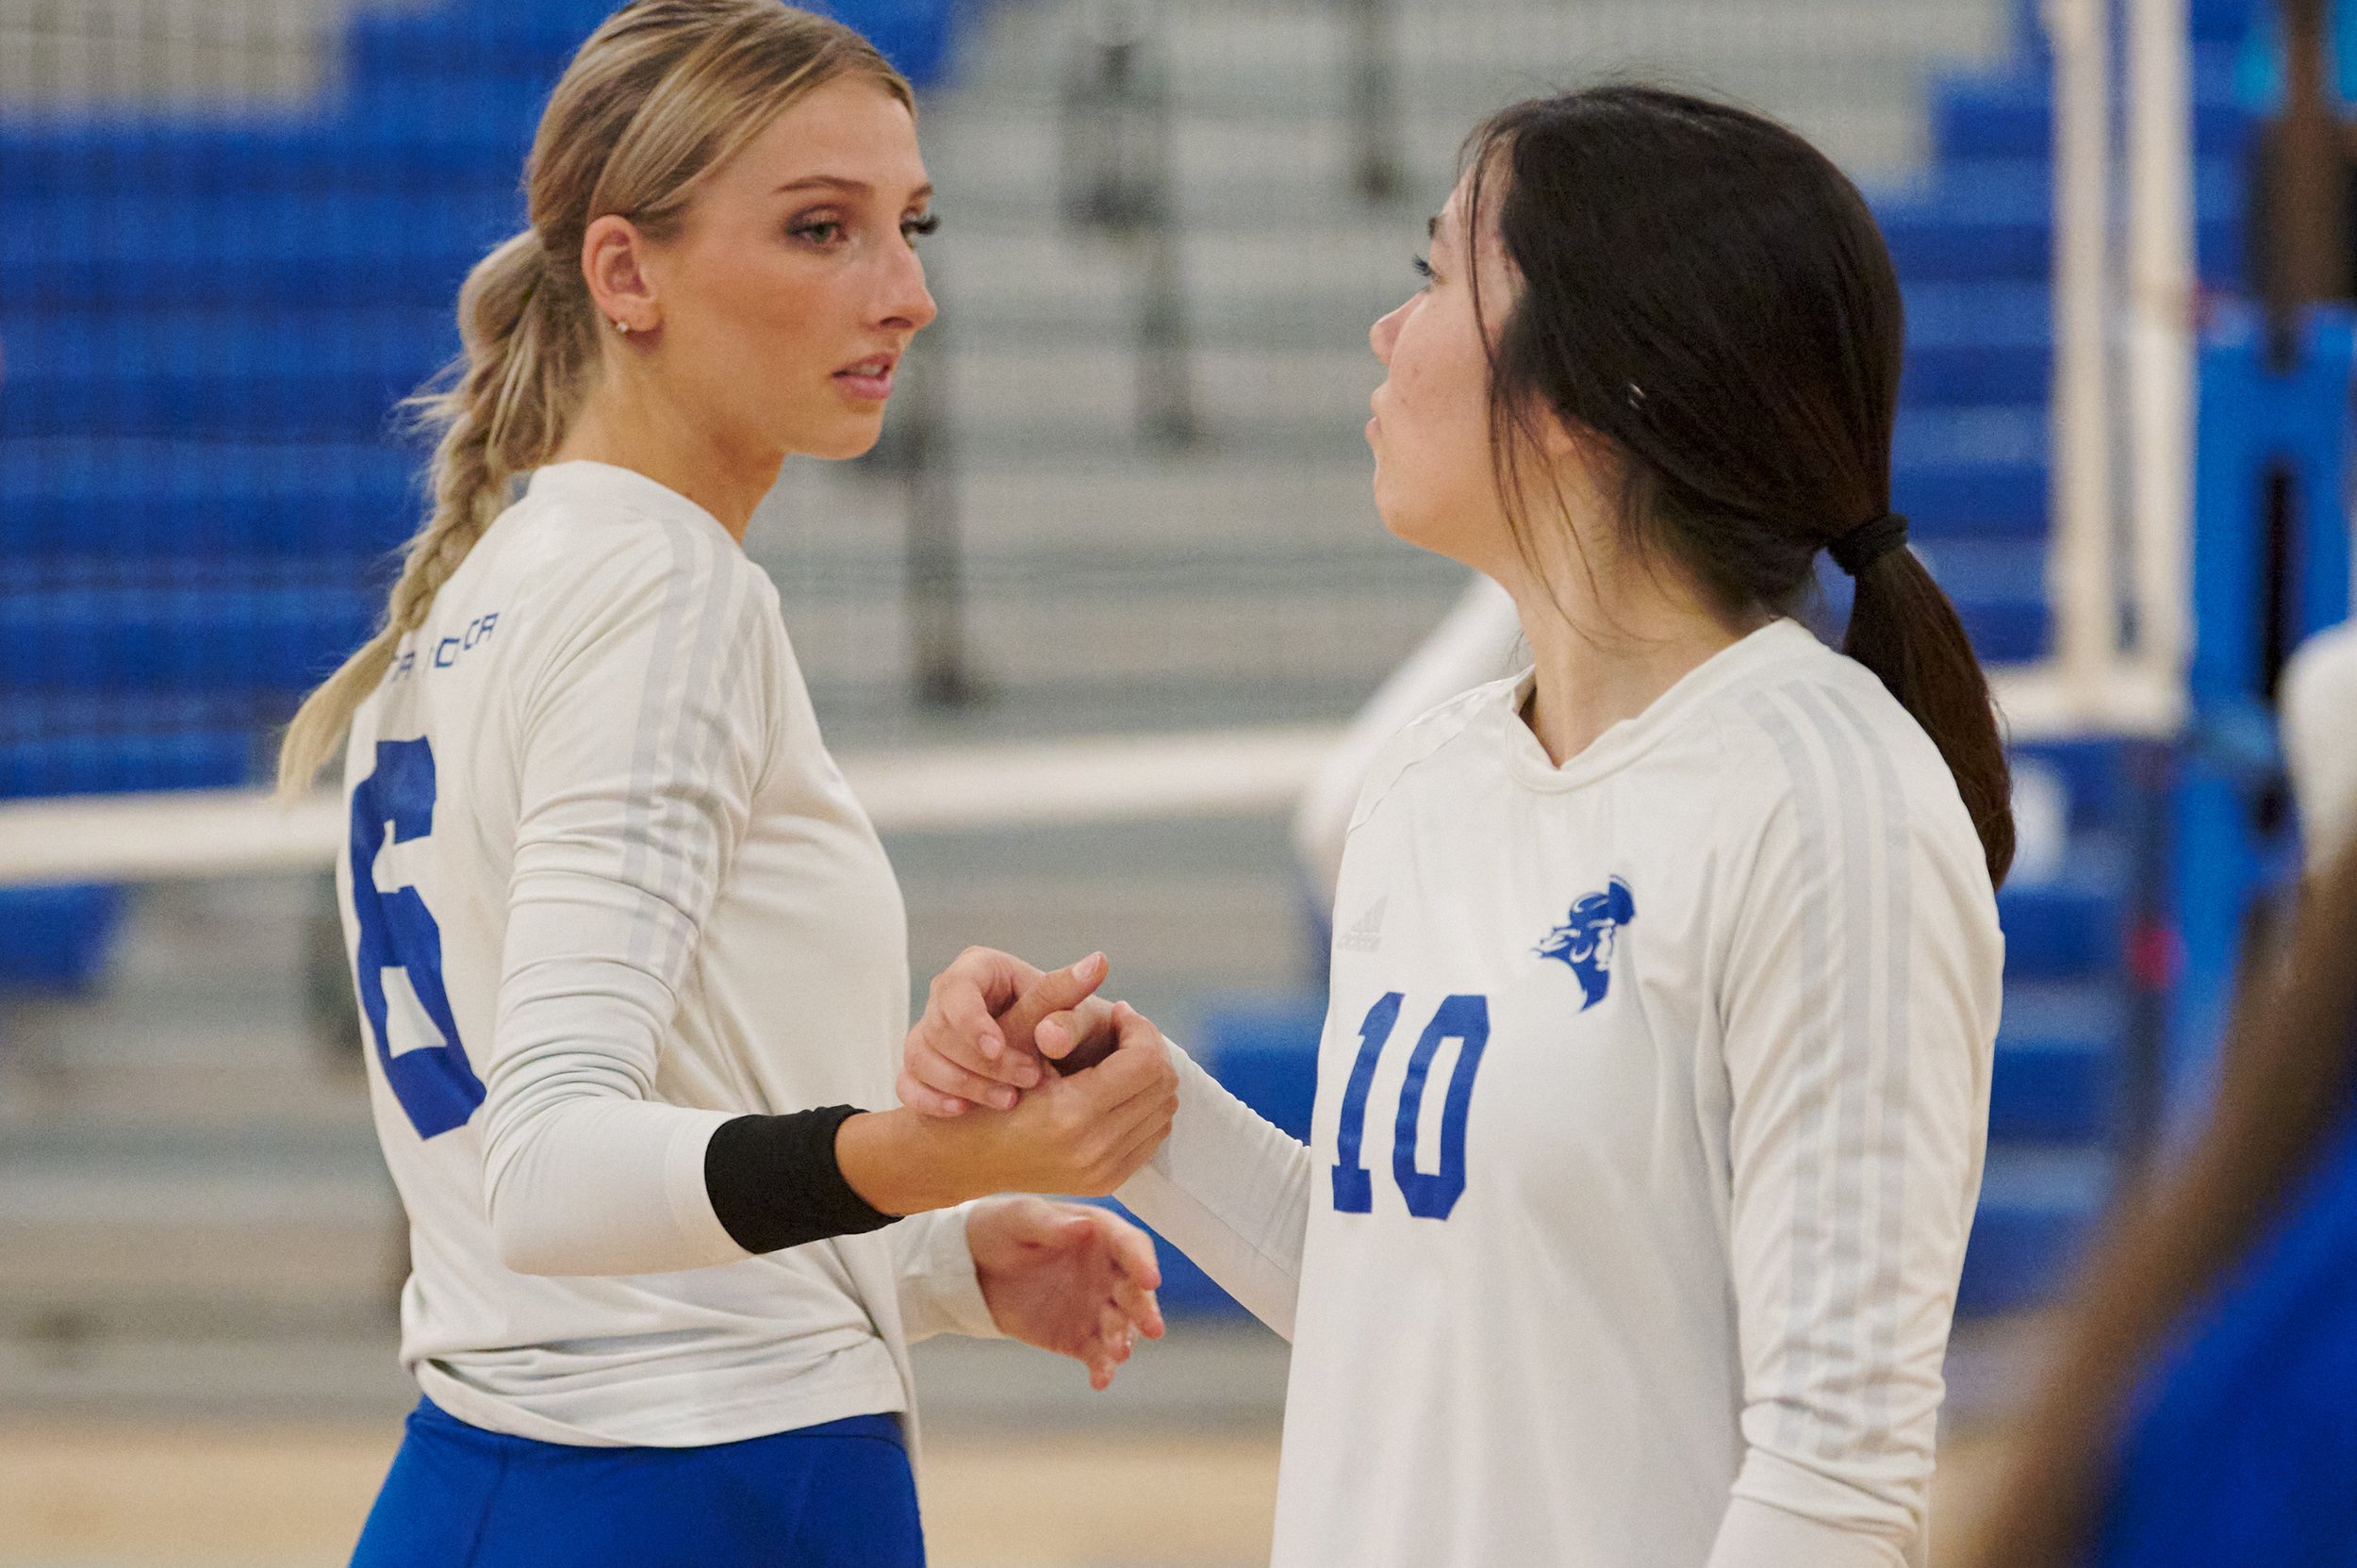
column 612, row 264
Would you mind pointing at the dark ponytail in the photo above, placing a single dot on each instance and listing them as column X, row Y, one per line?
column 1708, row 294
column 1904, row 629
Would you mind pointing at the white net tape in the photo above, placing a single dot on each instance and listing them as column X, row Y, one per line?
column 1133, row 778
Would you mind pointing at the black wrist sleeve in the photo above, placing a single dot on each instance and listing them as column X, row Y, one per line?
column 775, row 1183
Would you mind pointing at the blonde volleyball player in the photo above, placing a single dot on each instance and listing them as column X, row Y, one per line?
column 1651, row 1099
column 628, row 952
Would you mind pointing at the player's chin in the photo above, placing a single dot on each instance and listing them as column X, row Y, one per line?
column 1421, row 514
column 1401, row 518
column 847, row 432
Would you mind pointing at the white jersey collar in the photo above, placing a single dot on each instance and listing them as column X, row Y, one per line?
column 584, row 482
column 1631, row 739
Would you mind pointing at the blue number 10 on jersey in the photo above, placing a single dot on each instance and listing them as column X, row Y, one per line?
column 433, row 1081
column 1430, row 1194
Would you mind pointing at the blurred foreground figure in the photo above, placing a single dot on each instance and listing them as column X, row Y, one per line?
column 2200, row 1407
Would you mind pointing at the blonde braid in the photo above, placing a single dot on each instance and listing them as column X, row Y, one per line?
column 527, row 345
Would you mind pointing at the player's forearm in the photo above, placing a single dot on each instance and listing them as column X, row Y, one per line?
column 1231, row 1191
column 903, row 1164
column 608, row 1186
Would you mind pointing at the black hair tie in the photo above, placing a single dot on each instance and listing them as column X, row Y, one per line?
column 1869, row 542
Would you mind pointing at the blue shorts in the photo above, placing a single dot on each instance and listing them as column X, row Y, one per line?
column 838, row 1496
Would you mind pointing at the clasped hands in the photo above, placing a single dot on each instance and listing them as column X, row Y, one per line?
column 1080, row 1093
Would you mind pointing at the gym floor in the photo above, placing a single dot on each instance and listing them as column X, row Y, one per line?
column 1023, row 1468
column 145, row 1496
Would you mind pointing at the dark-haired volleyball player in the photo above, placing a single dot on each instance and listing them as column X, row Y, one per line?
column 1651, row 1099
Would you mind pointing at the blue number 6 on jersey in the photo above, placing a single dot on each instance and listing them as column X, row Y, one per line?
column 433, row 1082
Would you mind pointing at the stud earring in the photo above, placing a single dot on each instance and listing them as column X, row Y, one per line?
column 621, row 327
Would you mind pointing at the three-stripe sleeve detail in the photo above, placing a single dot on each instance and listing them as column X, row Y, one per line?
column 679, row 664
column 1847, row 1236
column 1817, row 1022
column 1884, row 1306
column 711, row 863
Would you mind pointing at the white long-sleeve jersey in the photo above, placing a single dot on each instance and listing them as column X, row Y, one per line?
column 1650, row 1117
column 605, row 890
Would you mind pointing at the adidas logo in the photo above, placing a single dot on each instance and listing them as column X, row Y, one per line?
column 1367, row 934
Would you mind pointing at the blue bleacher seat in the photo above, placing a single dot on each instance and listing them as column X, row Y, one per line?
column 53, row 939
column 2073, row 926
column 2011, row 115
column 101, row 764
column 2223, row 21
column 1972, row 473
column 341, row 249
column 1999, row 586
column 178, row 639
column 527, row 44
column 132, row 500
column 1264, row 1049
column 253, row 372
column 1990, row 219
column 398, row 145
column 2038, row 1207
column 2057, row 1067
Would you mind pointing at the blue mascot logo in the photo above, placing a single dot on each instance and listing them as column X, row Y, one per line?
column 1589, row 934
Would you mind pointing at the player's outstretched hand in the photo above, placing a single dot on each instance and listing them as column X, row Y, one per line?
column 977, row 1044
column 1067, row 1278
column 1088, row 1132
column 1084, row 1132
